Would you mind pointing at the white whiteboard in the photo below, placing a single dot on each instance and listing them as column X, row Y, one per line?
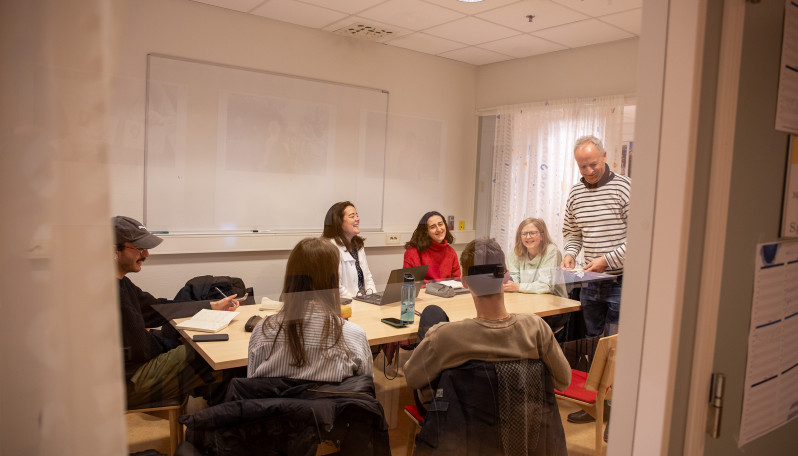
column 234, row 149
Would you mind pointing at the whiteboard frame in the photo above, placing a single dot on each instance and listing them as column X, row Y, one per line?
column 238, row 232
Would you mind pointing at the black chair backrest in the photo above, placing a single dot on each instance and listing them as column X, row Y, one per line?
column 472, row 401
column 287, row 416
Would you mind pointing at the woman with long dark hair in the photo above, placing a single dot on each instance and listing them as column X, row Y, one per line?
column 430, row 245
column 308, row 339
column 342, row 228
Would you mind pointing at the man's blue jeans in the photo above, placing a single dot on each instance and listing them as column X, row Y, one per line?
column 601, row 306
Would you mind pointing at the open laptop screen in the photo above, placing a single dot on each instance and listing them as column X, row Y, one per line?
column 393, row 289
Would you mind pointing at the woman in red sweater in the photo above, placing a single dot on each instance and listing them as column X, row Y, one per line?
column 430, row 245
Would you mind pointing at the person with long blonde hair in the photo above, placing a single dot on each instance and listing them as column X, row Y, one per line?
column 534, row 261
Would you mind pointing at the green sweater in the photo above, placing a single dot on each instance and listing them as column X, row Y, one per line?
column 538, row 275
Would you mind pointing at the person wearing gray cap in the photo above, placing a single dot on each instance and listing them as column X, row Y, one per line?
column 158, row 370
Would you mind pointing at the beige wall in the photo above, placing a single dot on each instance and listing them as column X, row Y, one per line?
column 603, row 69
column 420, row 85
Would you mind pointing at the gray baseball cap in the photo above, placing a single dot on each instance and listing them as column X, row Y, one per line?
column 130, row 230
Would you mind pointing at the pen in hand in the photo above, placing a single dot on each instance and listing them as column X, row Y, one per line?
column 220, row 292
column 235, row 302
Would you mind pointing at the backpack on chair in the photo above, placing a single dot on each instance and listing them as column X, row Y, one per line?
column 203, row 288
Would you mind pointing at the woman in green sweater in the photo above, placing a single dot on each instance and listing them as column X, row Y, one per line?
column 534, row 262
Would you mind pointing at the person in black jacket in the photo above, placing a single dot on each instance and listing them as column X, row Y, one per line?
column 158, row 370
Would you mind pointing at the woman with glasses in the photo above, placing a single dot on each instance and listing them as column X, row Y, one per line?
column 534, row 262
column 430, row 245
column 342, row 228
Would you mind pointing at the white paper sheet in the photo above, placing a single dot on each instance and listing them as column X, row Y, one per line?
column 787, row 104
column 771, row 376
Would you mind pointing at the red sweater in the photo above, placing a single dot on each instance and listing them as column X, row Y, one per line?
column 441, row 258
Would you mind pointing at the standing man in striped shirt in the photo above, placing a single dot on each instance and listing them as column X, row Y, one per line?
column 595, row 219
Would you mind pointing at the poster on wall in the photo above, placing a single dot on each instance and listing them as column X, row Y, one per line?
column 770, row 396
column 789, row 217
column 787, row 103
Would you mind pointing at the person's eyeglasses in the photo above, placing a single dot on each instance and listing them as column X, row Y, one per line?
column 141, row 251
column 529, row 234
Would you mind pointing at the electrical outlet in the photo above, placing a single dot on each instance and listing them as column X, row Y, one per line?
column 393, row 238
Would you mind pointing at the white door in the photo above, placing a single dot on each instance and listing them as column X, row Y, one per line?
column 754, row 216
column 712, row 189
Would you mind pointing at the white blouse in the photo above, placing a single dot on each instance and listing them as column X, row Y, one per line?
column 347, row 272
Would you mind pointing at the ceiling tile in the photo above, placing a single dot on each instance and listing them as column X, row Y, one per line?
column 471, row 30
column 410, row 14
column 346, row 6
column 471, row 7
column 475, row 56
column 499, row 28
column 547, row 14
column 428, row 44
column 600, row 7
column 628, row 20
column 238, row 5
column 583, row 33
column 298, row 13
column 522, row 46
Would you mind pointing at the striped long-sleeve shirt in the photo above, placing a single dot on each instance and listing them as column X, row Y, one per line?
column 351, row 358
column 595, row 219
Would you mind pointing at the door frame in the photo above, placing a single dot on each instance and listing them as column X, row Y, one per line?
column 671, row 66
column 720, row 181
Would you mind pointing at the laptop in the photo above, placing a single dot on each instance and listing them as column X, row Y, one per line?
column 393, row 289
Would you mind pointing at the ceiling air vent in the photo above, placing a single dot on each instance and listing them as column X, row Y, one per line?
column 365, row 32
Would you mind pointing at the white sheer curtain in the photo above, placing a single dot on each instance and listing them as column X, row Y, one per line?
column 533, row 164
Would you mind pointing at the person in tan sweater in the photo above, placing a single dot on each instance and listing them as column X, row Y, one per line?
column 494, row 335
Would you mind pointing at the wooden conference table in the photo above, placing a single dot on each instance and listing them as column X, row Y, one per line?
column 233, row 353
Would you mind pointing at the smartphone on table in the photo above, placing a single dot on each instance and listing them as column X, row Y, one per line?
column 210, row 337
column 393, row 322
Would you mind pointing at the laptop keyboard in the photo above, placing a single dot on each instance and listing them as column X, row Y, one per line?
column 373, row 298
